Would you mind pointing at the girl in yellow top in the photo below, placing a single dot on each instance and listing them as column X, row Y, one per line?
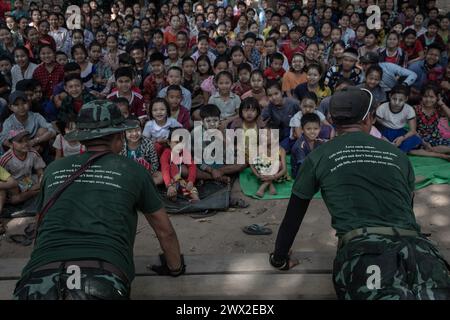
column 314, row 83
column 295, row 76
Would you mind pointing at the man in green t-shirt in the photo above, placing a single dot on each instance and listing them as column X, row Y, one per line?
column 84, row 243
column 367, row 185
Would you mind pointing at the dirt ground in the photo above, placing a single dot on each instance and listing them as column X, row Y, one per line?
column 222, row 232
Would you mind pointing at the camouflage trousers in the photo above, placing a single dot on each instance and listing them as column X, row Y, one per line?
column 379, row 267
column 95, row 284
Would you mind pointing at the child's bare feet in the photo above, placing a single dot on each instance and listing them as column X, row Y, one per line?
column 272, row 189
column 194, row 195
column 172, row 193
column 262, row 189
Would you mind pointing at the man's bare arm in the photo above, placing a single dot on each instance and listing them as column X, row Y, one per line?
column 167, row 237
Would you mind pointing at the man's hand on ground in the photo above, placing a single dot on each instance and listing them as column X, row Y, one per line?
column 163, row 269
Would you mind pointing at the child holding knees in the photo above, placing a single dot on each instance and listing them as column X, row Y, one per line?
column 394, row 115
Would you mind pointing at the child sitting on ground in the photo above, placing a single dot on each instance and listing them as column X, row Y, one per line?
column 25, row 165
column 75, row 98
column 216, row 169
column 307, row 142
column 41, row 132
column 309, row 105
column 243, row 85
column 271, row 167
column 124, row 83
column 7, row 183
column 178, row 170
column 142, row 150
column 275, row 72
column 279, row 113
column 177, row 111
column 296, row 74
column 227, row 102
column 123, row 105
column 64, row 148
column 174, row 77
column 158, row 127
column 394, row 115
column 249, row 120
column 428, row 118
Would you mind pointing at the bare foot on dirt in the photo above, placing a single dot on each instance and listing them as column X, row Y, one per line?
column 262, row 189
column 272, row 189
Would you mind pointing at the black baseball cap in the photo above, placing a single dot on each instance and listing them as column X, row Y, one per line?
column 350, row 105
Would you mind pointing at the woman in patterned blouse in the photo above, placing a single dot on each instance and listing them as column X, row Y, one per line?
column 428, row 117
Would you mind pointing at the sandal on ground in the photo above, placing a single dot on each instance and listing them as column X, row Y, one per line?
column 257, row 229
column 238, row 203
column 20, row 239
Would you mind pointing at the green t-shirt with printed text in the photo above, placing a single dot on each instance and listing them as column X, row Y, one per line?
column 96, row 216
column 364, row 181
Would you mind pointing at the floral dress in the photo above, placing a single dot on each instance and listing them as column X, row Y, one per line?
column 427, row 128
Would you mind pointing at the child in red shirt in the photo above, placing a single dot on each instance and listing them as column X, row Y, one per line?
column 172, row 161
column 275, row 72
column 243, row 85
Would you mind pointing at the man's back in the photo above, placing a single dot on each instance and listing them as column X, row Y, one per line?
column 363, row 182
column 103, row 225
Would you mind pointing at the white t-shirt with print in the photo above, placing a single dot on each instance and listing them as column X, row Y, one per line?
column 153, row 131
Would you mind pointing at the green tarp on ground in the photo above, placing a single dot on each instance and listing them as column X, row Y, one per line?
column 428, row 171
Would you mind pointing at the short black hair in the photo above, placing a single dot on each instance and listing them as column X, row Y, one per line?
column 408, row 32
column 157, row 56
column 310, row 96
column 124, row 72
column 26, row 85
column 433, row 23
column 5, row 57
column 435, row 46
column 174, row 87
column 126, row 58
column 175, row 68
column 249, row 103
column 71, row 67
column 159, row 100
column 308, row 118
column 400, row 89
column 71, row 77
column 250, row 35
column 220, row 59
column 244, row 66
column 277, row 56
column 209, row 110
column 121, row 100
column 275, row 84
column 220, row 40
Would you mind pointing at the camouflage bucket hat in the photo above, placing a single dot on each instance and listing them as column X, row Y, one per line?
column 97, row 119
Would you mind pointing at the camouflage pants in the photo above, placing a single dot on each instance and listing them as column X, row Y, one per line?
column 373, row 267
column 96, row 284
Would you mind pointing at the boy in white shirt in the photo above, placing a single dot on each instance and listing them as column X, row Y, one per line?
column 393, row 116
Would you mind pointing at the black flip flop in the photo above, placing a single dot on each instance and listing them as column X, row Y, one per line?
column 20, row 239
column 257, row 230
column 238, row 203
